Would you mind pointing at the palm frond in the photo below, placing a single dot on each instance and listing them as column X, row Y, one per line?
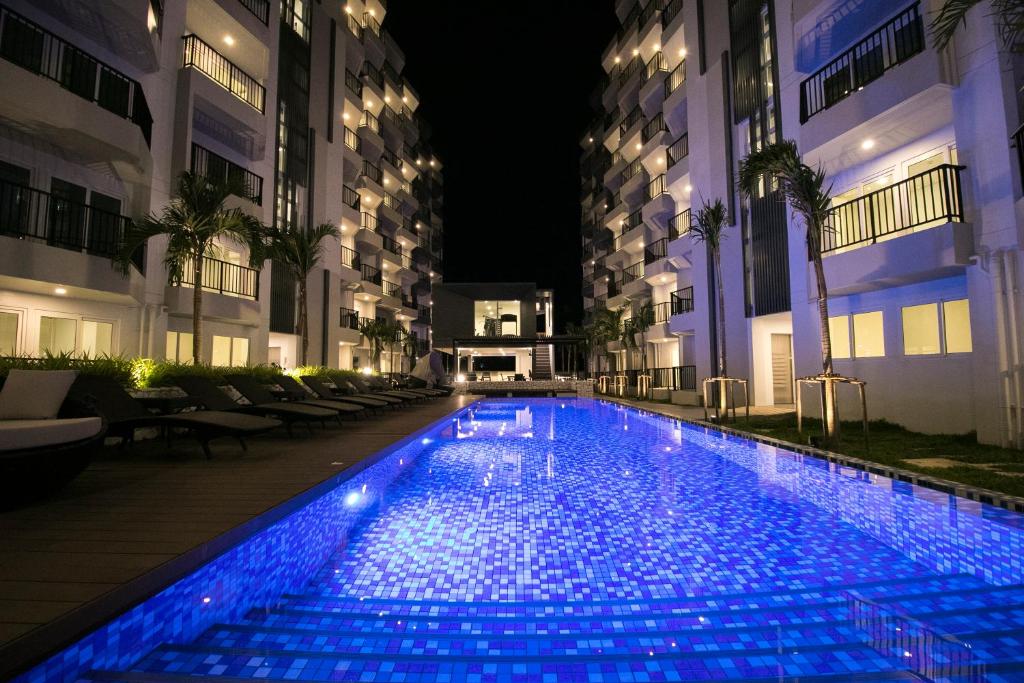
column 709, row 224
column 952, row 14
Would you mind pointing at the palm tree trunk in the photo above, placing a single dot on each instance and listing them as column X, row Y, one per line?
column 830, row 411
column 197, row 309
column 303, row 319
column 723, row 406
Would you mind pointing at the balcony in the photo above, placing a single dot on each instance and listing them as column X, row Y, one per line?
column 676, row 378
column 890, row 45
column 350, row 258
column 259, row 9
column 679, row 224
column 354, row 85
column 653, row 127
column 676, row 77
column 652, row 88
column 910, row 231
column 352, row 140
column 107, row 120
column 634, row 179
column 202, row 57
column 370, row 275
column 681, row 301
column 391, row 289
column 218, row 169
column 348, row 319
column 373, row 173
column 222, row 277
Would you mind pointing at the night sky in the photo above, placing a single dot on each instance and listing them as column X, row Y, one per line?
column 505, row 87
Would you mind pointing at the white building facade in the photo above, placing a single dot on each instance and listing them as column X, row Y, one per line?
column 105, row 105
column 923, row 255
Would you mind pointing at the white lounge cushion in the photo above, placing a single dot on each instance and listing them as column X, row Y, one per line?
column 20, row 434
column 34, row 394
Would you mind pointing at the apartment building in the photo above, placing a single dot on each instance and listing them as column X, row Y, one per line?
column 104, row 106
column 922, row 151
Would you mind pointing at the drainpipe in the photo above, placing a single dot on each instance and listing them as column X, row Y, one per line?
column 1008, row 343
column 142, row 324
column 1013, row 328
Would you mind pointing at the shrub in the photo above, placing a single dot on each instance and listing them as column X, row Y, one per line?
column 106, row 366
column 162, row 373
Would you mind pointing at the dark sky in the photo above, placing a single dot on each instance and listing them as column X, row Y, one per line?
column 505, row 87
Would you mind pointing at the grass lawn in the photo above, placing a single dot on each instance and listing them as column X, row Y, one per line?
column 990, row 467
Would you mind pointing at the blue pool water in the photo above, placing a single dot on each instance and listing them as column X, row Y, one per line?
column 565, row 540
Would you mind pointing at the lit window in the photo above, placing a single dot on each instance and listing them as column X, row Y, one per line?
column 921, row 330
column 240, row 351
column 56, row 335
column 868, row 335
column 97, row 338
column 8, row 333
column 956, row 318
column 839, row 332
column 221, row 351
column 179, row 347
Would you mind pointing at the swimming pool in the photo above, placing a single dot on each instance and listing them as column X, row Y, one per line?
column 574, row 539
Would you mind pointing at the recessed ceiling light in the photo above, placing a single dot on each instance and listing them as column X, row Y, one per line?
column 867, row 144
column 229, row 40
column 682, row 52
column 60, row 291
column 689, row 188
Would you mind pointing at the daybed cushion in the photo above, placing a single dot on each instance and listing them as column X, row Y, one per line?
column 17, row 435
column 34, row 394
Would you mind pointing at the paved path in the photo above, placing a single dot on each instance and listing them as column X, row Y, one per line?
column 72, row 561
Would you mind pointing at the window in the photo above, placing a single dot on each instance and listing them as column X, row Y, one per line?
column 97, row 338
column 230, row 351
column 240, row 351
column 921, row 330
column 839, row 332
column 868, row 335
column 8, row 333
column 179, row 347
column 956, row 319
column 56, row 335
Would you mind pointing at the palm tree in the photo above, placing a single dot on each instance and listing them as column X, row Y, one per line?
column 376, row 333
column 194, row 221
column 804, row 188
column 1009, row 15
column 709, row 227
column 641, row 321
column 299, row 251
column 608, row 328
column 582, row 346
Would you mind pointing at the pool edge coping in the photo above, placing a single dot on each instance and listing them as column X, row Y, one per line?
column 23, row 654
column 1005, row 501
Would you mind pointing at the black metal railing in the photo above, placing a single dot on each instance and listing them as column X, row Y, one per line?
column 648, row 13
column 352, row 140
column 656, row 64
column 661, row 312
column 368, row 120
column 370, row 22
column 930, row 197
column 631, row 67
column 353, row 83
column 29, row 213
column 392, row 158
column 349, row 197
column 354, row 26
column 655, row 188
column 633, row 273
column 1017, row 142
column 25, row 43
column 614, row 287
column 259, row 9
column 679, row 224
column 682, row 300
column 633, row 220
column 348, row 319
column 349, row 258
column 367, row 221
column 373, row 74
column 634, row 168
column 423, row 314
column 671, row 10
column 224, row 277
column 372, row 172
column 370, row 274
column 632, row 118
column 678, row 150
column 656, row 251
column 653, row 127
column 392, row 202
column 677, row 378
column 391, row 289
column 893, row 43
column 391, row 245
column 676, row 77
column 218, row 169
column 201, row 56
column 391, row 115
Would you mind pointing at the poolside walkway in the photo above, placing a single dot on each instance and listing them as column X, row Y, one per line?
column 693, row 412
column 119, row 531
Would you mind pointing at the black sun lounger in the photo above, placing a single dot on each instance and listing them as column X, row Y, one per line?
column 321, row 389
column 300, row 395
column 364, row 388
column 214, row 399
column 377, row 384
column 257, row 394
column 124, row 415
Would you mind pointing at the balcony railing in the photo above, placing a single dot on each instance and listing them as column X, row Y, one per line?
column 682, row 300
column 204, row 58
column 372, row 172
column 349, row 258
column 391, row 245
column 368, row 120
column 392, row 158
column 679, row 224
column 670, row 12
column 392, row 202
column 655, row 188
column 1017, row 142
column 349, row 319
column 653, row 127
column 678, row 150
column 648, row 13
column 354, row 26
column 370, row 22
column 631, row 67
column 259, row 8
column 634, row 168
column 933, row 197
column 218, row 169
column 29, row 213
column 349, row 197
column 662, row 312
column 632, row 118
column 370, row 274
column 614, row 287
column 896, row 41
column 352, row 140
column 225, row 278
column 353, row 83
column 373, row 74
column 391, row 289
column 656, row 64
column 656, row 251
column 367, row 221
column 633, row 273
column 423, row 314
column 677, row 378
column 676, row 77
column 31, row 47
column 633, row 220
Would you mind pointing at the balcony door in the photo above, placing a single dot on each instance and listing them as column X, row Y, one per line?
column 104, row 237
column 927, row 202
column 15, row 199
column 67, row 214
column 782, row 369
